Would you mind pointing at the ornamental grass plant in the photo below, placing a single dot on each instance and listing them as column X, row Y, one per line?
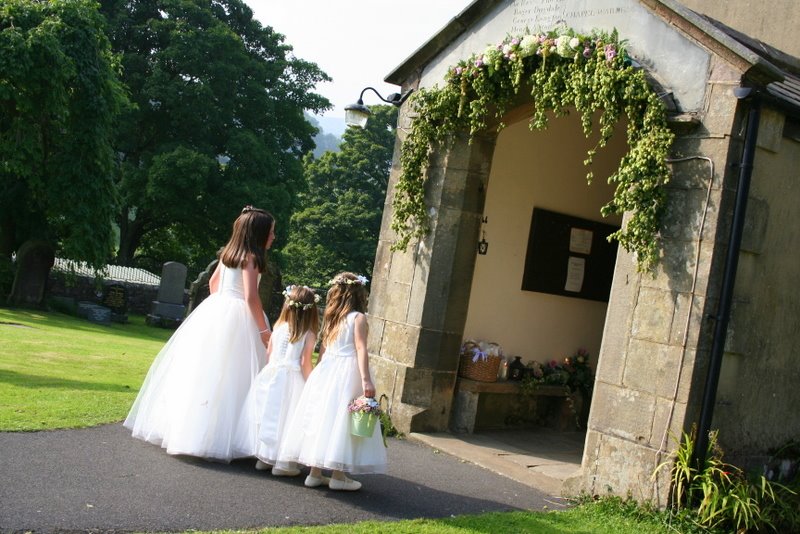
column 723, row 498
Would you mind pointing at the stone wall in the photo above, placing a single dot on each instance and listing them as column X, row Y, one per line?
column 657, row 337
column 80, row 288
column 758, row 393
column 420, row 296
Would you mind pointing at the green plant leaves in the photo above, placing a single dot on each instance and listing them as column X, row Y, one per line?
column 564, row 70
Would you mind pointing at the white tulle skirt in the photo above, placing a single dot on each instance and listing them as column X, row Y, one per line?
column 194, row 392
column 270, row 404
column 318, row 435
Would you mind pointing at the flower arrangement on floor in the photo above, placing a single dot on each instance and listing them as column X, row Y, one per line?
column 561, row 69
column 573, row 373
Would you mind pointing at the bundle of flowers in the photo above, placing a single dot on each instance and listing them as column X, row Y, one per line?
column 367, row 405
column 573, row 372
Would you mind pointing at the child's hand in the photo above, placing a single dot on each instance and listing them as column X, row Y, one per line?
column 369, row 389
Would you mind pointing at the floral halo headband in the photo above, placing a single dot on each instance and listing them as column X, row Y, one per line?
column 296, row 304
column 341, row 280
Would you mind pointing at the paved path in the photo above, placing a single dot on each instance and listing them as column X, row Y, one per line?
column 100, row 479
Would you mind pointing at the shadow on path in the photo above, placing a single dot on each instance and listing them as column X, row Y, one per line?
column 101, row 479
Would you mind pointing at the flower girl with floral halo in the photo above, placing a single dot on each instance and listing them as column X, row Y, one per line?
column 273, row 396
column 318, row 434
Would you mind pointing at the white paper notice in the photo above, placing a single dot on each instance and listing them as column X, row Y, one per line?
column 580, row 241
column 575, row 270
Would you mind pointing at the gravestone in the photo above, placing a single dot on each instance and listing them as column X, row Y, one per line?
column 199, row 289
column 115, row 298
column 34, row 261
column 168, row 311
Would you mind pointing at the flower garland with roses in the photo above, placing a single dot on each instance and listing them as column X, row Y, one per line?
column 562, row 69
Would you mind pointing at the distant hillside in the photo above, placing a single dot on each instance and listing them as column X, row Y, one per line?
column 325, row 141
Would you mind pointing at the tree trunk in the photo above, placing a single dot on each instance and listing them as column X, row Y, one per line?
column 130, row 236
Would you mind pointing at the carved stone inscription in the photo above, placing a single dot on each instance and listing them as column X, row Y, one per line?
column 544, row 15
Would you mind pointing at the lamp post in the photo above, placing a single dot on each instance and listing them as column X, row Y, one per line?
column 357, row 114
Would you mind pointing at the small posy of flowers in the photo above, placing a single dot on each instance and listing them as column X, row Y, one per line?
column 299, row 305
column 367, row 405
column 360, row 280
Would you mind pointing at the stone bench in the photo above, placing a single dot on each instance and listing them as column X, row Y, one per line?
column 558, row 411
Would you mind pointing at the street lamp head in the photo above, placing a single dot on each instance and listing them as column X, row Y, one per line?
column 357, row 114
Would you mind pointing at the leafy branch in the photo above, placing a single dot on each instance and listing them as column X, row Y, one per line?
column 562, row 69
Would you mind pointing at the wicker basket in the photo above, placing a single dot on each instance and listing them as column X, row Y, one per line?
column 481, row 370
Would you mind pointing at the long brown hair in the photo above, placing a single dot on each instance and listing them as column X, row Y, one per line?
column 299, row 311
column 248, row 239
column 348, row 293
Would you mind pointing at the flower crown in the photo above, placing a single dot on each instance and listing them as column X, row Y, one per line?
column 296, row 304
column 341, row 280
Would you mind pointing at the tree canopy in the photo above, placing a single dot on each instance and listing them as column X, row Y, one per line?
column 337, row 224
column 59, row 95
column 216, row 123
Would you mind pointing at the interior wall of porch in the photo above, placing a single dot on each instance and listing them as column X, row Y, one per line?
column 542, row 169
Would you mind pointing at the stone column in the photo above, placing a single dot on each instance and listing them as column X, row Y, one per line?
column 419, row 297
column 654, row 355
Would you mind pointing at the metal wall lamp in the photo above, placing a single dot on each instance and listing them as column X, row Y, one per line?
column 483, row 245
column 357, row 114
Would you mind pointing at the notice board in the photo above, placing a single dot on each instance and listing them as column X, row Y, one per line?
column 569, row 256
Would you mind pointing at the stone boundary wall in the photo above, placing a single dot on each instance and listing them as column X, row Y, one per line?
column 82, row 288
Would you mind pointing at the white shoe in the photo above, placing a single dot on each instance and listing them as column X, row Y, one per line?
column 313, row 482
column 291, row 472
column 263, row 466
column 347, row 484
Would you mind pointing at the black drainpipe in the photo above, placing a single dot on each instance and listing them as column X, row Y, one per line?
column 729, row 276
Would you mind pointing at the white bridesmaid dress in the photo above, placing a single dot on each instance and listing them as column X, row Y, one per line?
column 272, row 399
column 318, row 434
column 194, row 392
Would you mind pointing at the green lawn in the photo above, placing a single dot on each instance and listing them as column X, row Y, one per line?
column 58, row 371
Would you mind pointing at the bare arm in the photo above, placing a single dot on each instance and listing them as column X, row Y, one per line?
column 250, row 275
column 269, row 348
column 308, row 351
column 213, row 282
column 360, row 338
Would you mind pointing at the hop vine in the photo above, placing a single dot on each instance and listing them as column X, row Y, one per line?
column 562, row 70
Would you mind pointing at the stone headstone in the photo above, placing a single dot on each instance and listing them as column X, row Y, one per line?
column 115, row 298
column 199, row 290
column 34, row 261
column 168, row 311
column 99, row 314
column 173, row 282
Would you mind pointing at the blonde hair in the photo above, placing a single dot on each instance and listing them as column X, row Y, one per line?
column 248, row 239
column 302, row 318
column 347, row 294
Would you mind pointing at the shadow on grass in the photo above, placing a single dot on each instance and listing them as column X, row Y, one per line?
column 37, row 381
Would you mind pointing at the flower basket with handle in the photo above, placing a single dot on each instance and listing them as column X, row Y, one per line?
column 479, row 362
column 364, row 415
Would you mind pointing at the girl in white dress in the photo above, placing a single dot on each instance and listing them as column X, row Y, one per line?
column 318, row 434
column 274, row 394
column 194, row 391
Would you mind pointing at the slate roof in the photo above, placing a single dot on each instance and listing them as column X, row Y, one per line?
column 115, row 273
